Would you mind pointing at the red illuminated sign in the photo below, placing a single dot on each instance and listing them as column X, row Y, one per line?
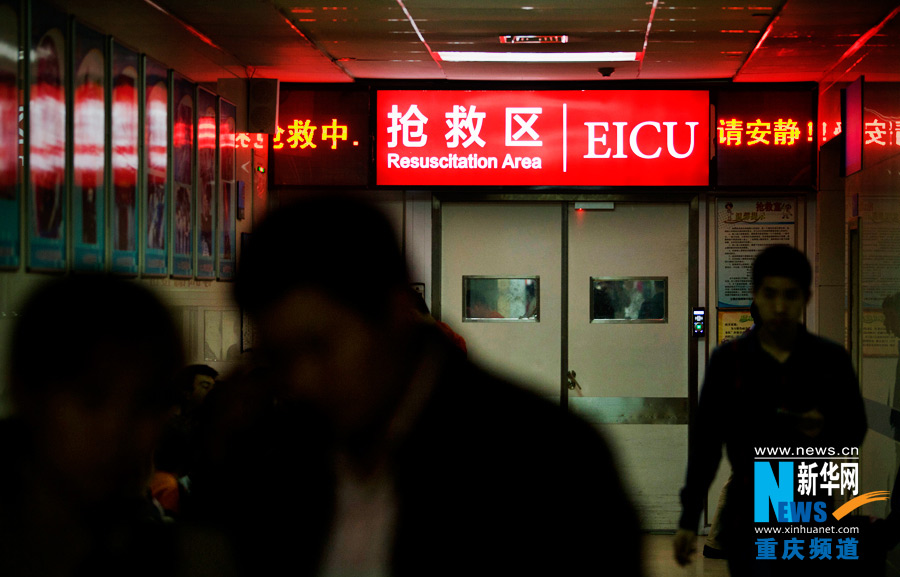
column 765, row 137
column 321, row 139
column 882, row 132
column 879, row 131
column 576, row 138
column 780, row 132
column 301, row 134
column 254, row 140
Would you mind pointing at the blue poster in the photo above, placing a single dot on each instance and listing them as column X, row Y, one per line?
column 225, row 222
column 156, row 169
column 9, row 137
column 207, row 150
column 123, row 215
column 182, row 177
column 46, row 207
column 89, row 151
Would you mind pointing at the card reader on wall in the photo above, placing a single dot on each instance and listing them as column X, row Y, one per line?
column 698, row 322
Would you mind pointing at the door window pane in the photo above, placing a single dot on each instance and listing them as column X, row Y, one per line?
column 631, row 299
column 501, row 298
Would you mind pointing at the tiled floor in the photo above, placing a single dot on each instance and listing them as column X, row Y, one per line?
column 660, row 562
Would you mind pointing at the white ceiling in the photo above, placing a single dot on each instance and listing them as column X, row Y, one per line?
column 823, row 41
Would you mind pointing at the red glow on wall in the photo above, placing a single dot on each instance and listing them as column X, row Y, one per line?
column 157, row 129
column 48, row 133
column 182, row 134
column 125, row 133
column 89, row 123
column 206, row 132
column 302, row 133
column 9, row 145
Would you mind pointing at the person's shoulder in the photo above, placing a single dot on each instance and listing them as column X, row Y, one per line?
column 741, row 345
column 824, row 347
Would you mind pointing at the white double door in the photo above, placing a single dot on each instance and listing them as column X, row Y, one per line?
column 633, row 373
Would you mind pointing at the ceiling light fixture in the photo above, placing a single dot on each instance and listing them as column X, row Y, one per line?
column 538, row 56
column 534, row 39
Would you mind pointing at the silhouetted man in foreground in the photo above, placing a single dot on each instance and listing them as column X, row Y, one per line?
column 386, row 452
column 776, row 386
column 93, row 362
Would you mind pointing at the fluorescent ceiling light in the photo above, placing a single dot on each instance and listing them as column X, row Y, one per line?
column 534, row 39
column 538, row 56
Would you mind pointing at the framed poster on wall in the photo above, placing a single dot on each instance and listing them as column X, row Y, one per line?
column 124, row 124
column 225, row 221
column 46, row 207
column 207, row 150
column 88, row 197
column 732, row 323
column 744, row 227
column 879, row 261
column 156, row 169
column 9, row 135
column 182, row 176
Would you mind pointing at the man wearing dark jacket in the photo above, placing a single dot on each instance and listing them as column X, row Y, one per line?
column 775, row 386
column 384, row 451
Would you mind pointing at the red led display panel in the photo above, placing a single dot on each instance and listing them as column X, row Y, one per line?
column 322, row 138
column 880, row 122
column 526, row 138
column 766, row 138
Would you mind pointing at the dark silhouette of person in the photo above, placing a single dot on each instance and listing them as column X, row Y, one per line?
column 654, row 307
column 884, row 534
column 170, row 482
column 387, row 451
column 92, row 367
column 424, row 313
column 195, row 382
column 775, row 386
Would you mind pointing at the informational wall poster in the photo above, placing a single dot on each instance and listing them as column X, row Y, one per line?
column 47, row 130
column 877, row 341
column 732, row 324
column 880, row 248
column 89, row 150
column 744, row 227
column 562, row 137
column 156, row 168
column 10, row 156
